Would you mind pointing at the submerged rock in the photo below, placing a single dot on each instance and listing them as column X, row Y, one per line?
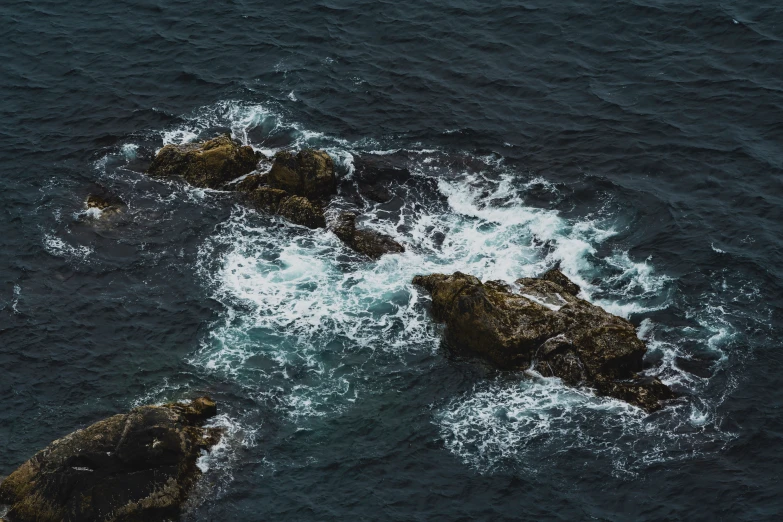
column 210, row 164
column 135, row 466
column 368, row 242
column 107, row 204
column 374, row 175
column 545, row 325
column 309, row 173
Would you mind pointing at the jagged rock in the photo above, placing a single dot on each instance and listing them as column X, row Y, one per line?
column 302, row 211
column 130, row 467
column 372, row 244
column 545, row 325
column 310, row 173
column 210, row 164
column 558, row 277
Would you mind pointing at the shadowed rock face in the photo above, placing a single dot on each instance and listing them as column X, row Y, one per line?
column 545, row 325
column 210, row 164
column 309, row 173
column 129, row 467
column 370, row 243
column 296, row 209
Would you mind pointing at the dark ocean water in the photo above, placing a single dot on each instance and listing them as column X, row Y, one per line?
column 638, row 143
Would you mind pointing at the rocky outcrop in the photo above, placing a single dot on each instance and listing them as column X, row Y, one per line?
column 129, row 467
column 543, row 324
column 210, row 164
column 309, row 173
column 368, row 242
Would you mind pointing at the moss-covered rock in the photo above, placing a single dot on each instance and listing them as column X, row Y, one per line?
column 309, row 173
column 545, row 325
column 130, row 467
column 368, row 242
column 210, row 164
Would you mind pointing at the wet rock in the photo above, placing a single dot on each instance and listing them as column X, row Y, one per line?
column 108, row 204
column 368, row 242
column 210, row 164
column 302, row 211
column 374, row 174
column 309, row 173
column 558, row 277
column 296, row 209
column 266, row 199
column 135, row 466
column 545, row 325
column 250, row 183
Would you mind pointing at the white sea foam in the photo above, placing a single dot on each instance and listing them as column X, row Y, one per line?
column 59, row 248
column 304, row 317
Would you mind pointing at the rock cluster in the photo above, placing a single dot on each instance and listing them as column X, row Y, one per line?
column 140, row 465
column 296, row 187
column 544, row 325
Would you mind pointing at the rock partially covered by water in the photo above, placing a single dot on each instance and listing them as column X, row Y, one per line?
column 309, row 173
column 108, row 204
column 368, row 242
column 545, row 325
column 210, row 164
column 135, row 466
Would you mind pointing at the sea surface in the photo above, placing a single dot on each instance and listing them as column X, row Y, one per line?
column 637, row 143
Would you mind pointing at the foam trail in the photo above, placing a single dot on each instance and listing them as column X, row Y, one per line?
column 305, row 317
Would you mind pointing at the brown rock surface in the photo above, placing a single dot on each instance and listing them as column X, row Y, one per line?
column 545, row 325
column 210, row 164
column 130, row 467
column 309, row 173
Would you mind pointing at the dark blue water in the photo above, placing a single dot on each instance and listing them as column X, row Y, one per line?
column 639, row 144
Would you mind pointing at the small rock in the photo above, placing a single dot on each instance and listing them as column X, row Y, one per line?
column 372, row 244
column 309, row 173
column 135, row 466
column 107, row 204
column 210, row 164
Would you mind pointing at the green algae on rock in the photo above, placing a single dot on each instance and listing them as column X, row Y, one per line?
column 130, row 467
column 210, row 164
column 544, row 325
